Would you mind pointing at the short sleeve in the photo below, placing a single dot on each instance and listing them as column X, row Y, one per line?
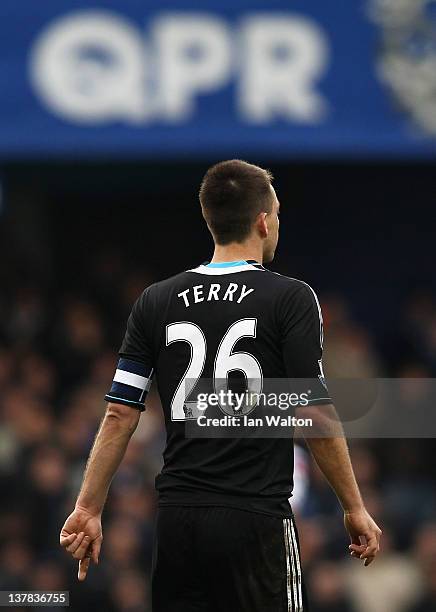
column 302, row 340
column 134, row 371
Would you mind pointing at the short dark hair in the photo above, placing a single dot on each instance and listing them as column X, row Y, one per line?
column 232, row 194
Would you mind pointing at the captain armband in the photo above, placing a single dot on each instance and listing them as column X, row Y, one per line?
column 131, row 383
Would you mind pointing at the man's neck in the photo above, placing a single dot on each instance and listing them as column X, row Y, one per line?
column 237, row 252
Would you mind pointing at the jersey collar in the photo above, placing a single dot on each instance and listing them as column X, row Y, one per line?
column 228, row 267
column 230, row 264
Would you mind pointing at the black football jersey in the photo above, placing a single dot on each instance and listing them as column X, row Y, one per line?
column 202, row 324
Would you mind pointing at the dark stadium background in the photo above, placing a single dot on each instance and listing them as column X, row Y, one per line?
column 79, row 242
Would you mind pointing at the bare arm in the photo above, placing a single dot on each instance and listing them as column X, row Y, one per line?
column 81, row 534
column 328, row 446
column 110, row 444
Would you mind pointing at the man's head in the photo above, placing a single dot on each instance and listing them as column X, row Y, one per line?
column 239, row 205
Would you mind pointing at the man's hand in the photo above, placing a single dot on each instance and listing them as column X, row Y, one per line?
column 364, row 535
column 82, row 536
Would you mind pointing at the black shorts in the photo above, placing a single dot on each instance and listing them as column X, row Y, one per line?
column 219, row 559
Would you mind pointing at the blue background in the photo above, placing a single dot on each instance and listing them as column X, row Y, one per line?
column 362, row 121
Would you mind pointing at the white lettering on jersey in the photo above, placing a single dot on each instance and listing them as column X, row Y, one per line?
column 184, row 296
column 198, row 293
column 230, row 291
column 215, row 292
column 244, row 293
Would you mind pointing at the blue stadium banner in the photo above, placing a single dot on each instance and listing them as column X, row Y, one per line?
column 156, row 79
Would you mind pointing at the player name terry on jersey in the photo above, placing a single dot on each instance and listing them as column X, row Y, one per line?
column 226, row 292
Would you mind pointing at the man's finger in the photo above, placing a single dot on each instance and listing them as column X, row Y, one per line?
column 95, row 550
column 371, row 548
column 82, row 548
column 357, row 548
column 83, row 568
column 355, row 539
column 65, row 540
column 71, row 548
column 355, row 554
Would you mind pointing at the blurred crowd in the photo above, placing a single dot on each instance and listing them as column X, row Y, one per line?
column 57, row 357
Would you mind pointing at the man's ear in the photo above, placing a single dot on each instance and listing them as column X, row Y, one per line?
column 262, row 225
